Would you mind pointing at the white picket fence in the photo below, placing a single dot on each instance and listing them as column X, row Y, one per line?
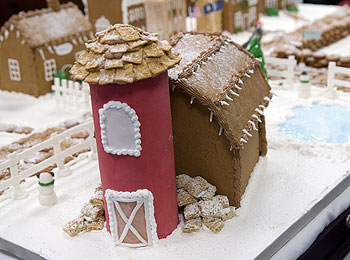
column 58, row 157
column 289, row 65
column 71, row 95
column 332, row 82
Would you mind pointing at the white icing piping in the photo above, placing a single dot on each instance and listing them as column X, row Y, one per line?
column 12, row 27
column 191, row 101
column 144, row 197
column 243, row 140
column 211, row 117
column 246, row 132
column 234, row 93
column 85, row 38
column 224, row 103
column 247, row 75
column 228, row 98
column 23, row 42
column 220, row 131
column 173, row 88
column 267, row 99
column 80, row 40
column 237, row 87
column 257, row 118
column 74, row 41
column 18, row 34
column 259, row 59
column 251, row 71
column 259, row 111
column 49, row 48
column 231, row 148
column 1, row 38
column 134, row 119
column 6, row 34
column 262, row 107
column 240, row 81
column 41, row 52
column 253, row 125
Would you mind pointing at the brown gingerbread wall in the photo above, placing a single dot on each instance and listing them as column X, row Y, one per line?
column 199, row 150
column 43, row 85
column 12, row 48
column 111, row 9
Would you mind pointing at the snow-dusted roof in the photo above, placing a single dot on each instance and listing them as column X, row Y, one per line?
column 45, row 26
column 224, row 77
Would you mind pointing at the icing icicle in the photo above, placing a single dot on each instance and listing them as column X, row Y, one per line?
column 228, row 98
column 246, row 132
column 18, row 34
column 231, row 148
column 259, row 111
column 224, row 103
column 257, row 118
column 247, row 75
column 240, row 81
column 262, row 107
column 253, row 125
column 237, row 87
column 173, row 88
column 220, row 131
column 74, row 41
column 80, row 40
column 267, row 99
column 251, row 71
column 49, row 48
column 234, row 93
column 6, row 34
column 41, row 52
column 243, row 140
column 211, row 117
column 191, row 101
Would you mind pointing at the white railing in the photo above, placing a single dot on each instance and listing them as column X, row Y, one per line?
column 287, row 73
column 332, row 82
column 58, row 158
column 71, row 95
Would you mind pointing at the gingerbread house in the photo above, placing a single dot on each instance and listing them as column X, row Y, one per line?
column 218, row 101
column 127, row 72
column 239, row 15
column 35, row 44
column 271, row 7
column 165, row 17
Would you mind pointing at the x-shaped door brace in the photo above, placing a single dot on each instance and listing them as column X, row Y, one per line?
column 128, row 222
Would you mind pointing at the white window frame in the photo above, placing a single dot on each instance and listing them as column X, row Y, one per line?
column 134, row 119
column 14, row 70
column 239, row 20
column 141, row 197
column 50, row 69
column 252, row 14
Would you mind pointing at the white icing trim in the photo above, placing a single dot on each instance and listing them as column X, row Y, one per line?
column 251, row 71
column 243, row 140
column 253, row 125
column 134, row 119
column 237, row 87
column 234, row 93
column 259, row 111
column 85, row 38
column 12, row 27
column 224, row 103
column 240, row 81
column 259, row 59
column 220, row 131
column 6, row 34
column 74, row 41
column 1, row 38
column 191, row 101
column 23, row 42
column 41, row 52
column 262, row 107
column 144, row 197
column 231, row 148
column 247, row 75
column 18, row 34
column 80, row 40
column 14, row 69
column 257, row 118
column 228, row 98
column 211, row 117
column 49, row 48
column 267, row 99
column 246, row 132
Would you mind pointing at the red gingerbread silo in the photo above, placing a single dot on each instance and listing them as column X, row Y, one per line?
column 127, row 72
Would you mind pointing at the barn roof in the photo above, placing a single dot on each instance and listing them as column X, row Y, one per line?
column 225, row 78
column 46, row 26
column 123, row 54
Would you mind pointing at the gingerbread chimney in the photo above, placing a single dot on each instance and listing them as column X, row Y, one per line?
column 53, row 4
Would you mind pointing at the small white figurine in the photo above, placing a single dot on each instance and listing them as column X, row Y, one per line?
column 47, row 195
column 304, row 86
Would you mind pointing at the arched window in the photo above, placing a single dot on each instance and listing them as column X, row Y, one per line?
column 120, row 129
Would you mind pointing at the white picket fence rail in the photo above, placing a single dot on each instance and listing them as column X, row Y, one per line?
column 58, row 157
column 71, row 95
column 289, row 65
column 332, row 82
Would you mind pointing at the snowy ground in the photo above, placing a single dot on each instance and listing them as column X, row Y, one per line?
column 283, row 186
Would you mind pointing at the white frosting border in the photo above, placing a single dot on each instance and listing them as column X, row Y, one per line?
column 134, row 119
column 143, row 196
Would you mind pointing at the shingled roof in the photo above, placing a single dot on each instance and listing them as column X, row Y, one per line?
column 123, row 54
column 46, row 26
column 223, row 77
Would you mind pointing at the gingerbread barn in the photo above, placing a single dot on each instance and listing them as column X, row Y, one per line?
column 217, row 104
column 240, row 15
column 35, row 44
column 127, row 72
column 165, row 17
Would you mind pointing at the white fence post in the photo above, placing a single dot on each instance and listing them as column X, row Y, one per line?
column 18, row 191
column 290, row 70
column 61, row 169
column 330, row 77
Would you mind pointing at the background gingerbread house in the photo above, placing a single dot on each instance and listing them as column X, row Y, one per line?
column 217, row 104
column 239, row 15
column 35, row 44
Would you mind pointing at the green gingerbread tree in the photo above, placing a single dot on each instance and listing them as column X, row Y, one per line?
column 254, row 47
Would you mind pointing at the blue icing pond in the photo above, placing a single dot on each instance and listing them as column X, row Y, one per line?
column 322, row 123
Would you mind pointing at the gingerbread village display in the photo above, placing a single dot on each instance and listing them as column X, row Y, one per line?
column 32, row 49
